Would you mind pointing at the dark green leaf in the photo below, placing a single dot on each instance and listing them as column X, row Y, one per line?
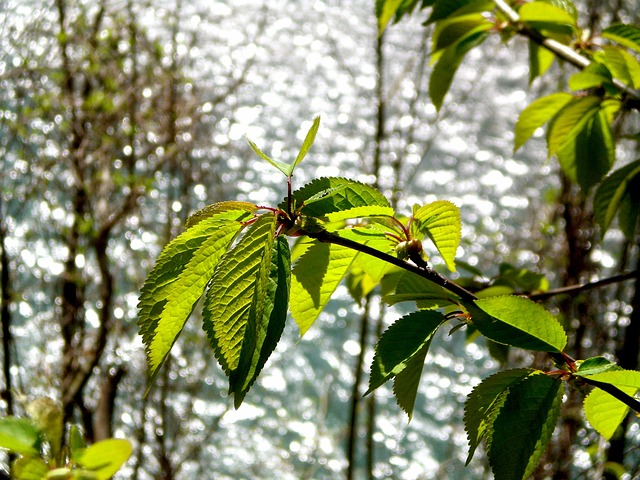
column 406, row 383
column 519, row 322
column 612, row 192
column 570, row 121
column 403, row 340
column 413, row 288
column 484, row 403
column 443, row 9
column 523, row 427
column 235, row 302
column 595, row 365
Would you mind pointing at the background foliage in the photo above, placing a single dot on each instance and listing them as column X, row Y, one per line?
column 119, row 119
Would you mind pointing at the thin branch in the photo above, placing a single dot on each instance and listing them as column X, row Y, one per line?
column 576, row 289
column 423, row 271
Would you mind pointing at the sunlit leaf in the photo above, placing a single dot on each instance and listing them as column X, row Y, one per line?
column 368, row 211
column 540, row 60
column 519, row 322
column 283, row 167
column 316, row 276
column 624, row 34
column 594, row 365
column 546, row 13
column 306, row 144
column 266, row 333
column 219, row 207
column 570, row 121
column 524, row 425
column 235, row 301
column 592, row 76
column 588, row 154
column 617, row 377
column 484, row 403
column 413, row 288
column 385, row 10
column 440, row 221
column 604, row 412
column 403, row 340
column 178, row 280
column 536, row 114
column 446, row 67
column 449, row 31
column 29, row 468
column 19, row 435
column 443, row 9
column 622, row 64
column 105, row 458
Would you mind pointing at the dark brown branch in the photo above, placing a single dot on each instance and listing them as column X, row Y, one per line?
column 423, row 271
column 576, row 289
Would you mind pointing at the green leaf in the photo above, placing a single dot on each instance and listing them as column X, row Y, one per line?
column 538, row 113
column 570, row 121
column 47, row 415
column 618, row 377
column 594, row 365
column 219, row 207
column 19, row 435
column 622, row 64
column 485, row 402
column 446, row 67
column 235, row 301
column 523, row 427
column 306, row 145
column 406, row 383
column 316, row 276
column 404, row 339
column 542, row 12
column 385, row 10
column 368, row 211
column 587, row 157
column 29, row 468
column 333, row 194
column 612, row 192
column 440, row 221
column 540, row 60
column 105, row 458
column 629, row 212
column 593, row 76
column 449, row 31
column 178, row 280
column 443, row 9
column 519, row 322
column 604, row 412
column 77, row 444
column 260, row 340
column 413, row 288
column 283, row 167
column 627, row 35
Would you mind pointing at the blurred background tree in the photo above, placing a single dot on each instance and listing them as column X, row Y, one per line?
column 119, row 118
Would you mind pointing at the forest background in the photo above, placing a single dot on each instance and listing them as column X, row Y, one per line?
column 119, row 119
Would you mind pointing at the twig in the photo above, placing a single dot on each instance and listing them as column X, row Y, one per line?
column 576, row 289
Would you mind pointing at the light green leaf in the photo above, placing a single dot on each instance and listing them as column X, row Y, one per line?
column 618, row 377
column 235, row 300
column 587, row 156
column 19, row 435
column 519, row 322
column 443, row 9
column 105, row 458
column 316, row 276
column 612, row 192
column 570, row 121
column 449, row 31
column 333, row 194
column 622, row 64
column 593, row 76
column 540, row 60
column 219, row 207
column 178, row 280
column 368, row 211
column 261, row 339
column 594, row 365
column 440, row 221
column 534, row 12
column 524, row 425
column 624, row 34
column 605, row 412
column 413, row 288
column 283, row 167
column 538, row 113
column 77, row 443
column 306, row 145
column 385, row 10
column 485, row 402
column 446, row 67
column 29, row 468
column 406, row 338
